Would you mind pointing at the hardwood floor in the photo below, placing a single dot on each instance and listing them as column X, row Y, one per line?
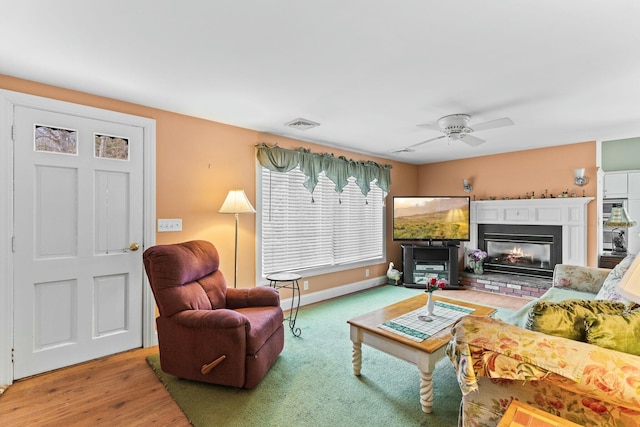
column 121, row 390
column 118, row 390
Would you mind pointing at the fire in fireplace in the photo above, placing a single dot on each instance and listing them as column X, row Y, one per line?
column 528, row 250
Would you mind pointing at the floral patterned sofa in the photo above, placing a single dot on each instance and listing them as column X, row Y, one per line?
column 498, row 360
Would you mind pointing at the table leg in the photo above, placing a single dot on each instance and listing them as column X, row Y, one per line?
column 426, row 392
column 294, row 315
column 295, row 303
column 356, row 357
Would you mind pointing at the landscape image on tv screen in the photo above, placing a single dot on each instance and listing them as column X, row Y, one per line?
column 431, row 218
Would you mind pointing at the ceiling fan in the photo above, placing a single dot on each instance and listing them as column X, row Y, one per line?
column 456, row 127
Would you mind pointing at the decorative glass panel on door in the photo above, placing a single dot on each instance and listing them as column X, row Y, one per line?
column 55, row 140
column 111, row 147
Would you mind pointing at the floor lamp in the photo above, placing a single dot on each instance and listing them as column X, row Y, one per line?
column 236, row 203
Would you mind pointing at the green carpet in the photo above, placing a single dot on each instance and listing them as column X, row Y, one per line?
column 312, row 382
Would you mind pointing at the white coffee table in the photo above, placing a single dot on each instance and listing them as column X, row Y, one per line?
column 365, row 330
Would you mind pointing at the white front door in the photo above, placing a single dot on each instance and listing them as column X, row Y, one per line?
column 78, row 206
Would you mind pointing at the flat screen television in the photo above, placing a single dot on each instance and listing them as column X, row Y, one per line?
column 429, row 218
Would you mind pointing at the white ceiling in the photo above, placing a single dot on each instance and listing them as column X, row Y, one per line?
column 565, row 71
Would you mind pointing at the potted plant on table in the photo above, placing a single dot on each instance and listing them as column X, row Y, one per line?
column 476, row 258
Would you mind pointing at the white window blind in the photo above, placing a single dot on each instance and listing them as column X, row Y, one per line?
column 335, row 230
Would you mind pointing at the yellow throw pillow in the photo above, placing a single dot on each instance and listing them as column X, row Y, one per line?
column 566, row 318
column 619, row 332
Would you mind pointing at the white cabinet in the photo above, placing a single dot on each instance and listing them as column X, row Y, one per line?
column 615, row 185
column 633, row 185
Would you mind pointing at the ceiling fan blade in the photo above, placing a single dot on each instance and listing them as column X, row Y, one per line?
column 403, row 150
column 424, row 142
column 471, row 140
column 433, row 126
column 497, row 123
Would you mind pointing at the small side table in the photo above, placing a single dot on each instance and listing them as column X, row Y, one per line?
column 609, row 259
column 289, row 281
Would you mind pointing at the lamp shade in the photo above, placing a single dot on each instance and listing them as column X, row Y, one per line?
column 619, row 218
column 236, row 203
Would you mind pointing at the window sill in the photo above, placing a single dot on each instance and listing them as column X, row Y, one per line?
column 311, row 272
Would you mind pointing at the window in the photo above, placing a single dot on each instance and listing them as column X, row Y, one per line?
column 334, row 232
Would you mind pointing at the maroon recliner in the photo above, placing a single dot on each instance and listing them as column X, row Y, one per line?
column 206, row 331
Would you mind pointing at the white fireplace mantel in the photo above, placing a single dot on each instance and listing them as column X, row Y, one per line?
column 570, row 213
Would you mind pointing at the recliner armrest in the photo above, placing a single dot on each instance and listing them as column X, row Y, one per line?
column 261, row 296
column 214, row 319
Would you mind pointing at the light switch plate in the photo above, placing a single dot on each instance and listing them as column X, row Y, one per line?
column 165, row 225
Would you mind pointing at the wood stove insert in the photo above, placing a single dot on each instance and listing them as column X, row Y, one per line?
column 527, row 250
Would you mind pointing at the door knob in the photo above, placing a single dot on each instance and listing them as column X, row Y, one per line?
column 132, row 247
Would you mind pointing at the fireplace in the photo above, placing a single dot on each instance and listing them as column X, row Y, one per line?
column 527, row 250
column 569, row 214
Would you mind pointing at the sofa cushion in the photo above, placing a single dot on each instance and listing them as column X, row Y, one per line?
column 615, row 331
column 566, row 319
column 579, row 277
column 555, row 294
column 629, row 285
column 611, row 285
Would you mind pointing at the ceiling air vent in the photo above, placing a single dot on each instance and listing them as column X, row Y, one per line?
column 301, row 124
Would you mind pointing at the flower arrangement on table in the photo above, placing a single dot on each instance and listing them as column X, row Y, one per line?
column 476, row 257
column 434, row 284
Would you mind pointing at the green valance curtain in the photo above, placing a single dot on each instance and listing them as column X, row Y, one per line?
column 337, row 169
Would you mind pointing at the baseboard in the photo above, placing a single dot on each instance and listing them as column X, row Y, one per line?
column 338, row 291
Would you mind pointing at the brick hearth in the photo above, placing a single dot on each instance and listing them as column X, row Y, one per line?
column 507, row 284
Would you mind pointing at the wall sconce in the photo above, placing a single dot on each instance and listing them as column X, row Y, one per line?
column 468, row 188
column 580, row 179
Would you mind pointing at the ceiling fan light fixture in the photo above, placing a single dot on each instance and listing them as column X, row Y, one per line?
column 455, row 127
column 454, row 123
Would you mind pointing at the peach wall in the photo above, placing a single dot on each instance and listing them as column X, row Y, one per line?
column 514, row 174
column 199, row 161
